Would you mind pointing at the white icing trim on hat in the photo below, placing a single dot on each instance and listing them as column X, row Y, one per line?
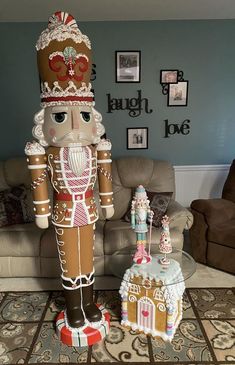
column 71, row 90
column 60, row 34
column 68, row 102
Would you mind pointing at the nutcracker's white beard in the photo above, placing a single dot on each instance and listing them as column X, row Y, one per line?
column 77, row 160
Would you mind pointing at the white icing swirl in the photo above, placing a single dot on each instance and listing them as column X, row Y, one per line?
column 34, row 148
column 104, row 145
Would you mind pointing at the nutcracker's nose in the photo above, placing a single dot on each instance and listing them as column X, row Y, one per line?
column 75, row 118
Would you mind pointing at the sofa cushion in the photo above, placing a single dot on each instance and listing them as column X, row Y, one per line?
column 16, row 206
column 119, row 234
column 20, row 240
column 158, row 203
column 229, row 186
column 129, row 172
column 223, row 233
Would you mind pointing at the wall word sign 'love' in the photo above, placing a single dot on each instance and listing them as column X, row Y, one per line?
column 176, row 128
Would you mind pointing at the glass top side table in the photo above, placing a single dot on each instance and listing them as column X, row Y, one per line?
column 181, row 267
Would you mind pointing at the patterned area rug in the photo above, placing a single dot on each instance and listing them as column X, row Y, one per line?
column 206, row 334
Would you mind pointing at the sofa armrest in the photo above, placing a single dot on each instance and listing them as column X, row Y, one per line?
column 179, row 216
column 214, row 210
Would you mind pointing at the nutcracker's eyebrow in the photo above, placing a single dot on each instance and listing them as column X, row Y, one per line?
column 57, row 109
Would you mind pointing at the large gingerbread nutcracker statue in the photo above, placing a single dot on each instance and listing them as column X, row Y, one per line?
column 70, row 148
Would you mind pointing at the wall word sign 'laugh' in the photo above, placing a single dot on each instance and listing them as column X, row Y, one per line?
column 134, row 105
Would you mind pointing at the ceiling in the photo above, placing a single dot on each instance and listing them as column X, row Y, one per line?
column 102, row 10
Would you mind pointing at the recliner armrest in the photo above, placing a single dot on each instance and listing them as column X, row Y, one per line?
column 214, row 210
column 179, row 216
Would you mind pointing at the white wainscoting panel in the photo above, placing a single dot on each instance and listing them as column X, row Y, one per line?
column 199, row 182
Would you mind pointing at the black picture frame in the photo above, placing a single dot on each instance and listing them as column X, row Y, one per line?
column 137, row 138
column 128, row 66
column 178, row 94
column 169, row 76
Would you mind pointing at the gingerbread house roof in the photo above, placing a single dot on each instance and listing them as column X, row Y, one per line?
column 171, row 278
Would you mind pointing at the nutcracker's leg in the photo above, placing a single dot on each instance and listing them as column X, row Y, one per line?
column 68, row 243
column 92, row 313
column 75, row 246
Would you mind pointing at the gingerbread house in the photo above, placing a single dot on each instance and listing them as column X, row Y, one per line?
column 152, row 298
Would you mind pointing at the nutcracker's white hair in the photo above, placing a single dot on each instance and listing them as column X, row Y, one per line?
column 39, row 121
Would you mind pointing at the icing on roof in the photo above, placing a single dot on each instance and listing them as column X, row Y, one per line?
column 154, row 271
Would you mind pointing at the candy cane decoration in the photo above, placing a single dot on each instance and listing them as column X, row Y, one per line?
column 150, row 230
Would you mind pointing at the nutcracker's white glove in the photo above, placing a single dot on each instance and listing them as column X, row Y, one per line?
column 108, row 212
column 42, row 222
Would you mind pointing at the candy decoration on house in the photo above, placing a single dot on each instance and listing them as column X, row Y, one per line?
column 70, row 148
column 140, row 213
column 165, row 241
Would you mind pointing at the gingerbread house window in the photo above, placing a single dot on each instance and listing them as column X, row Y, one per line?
column 133, row 288
column 158, row 295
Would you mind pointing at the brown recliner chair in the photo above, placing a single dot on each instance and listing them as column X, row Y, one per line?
column 213, row 232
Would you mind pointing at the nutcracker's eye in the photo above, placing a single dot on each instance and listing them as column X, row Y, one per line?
column 59, row 117
column 86, row 116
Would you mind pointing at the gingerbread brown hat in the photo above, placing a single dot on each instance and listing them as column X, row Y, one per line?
column 64, row 63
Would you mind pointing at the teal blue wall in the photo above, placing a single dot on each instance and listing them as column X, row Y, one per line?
column 203, row 50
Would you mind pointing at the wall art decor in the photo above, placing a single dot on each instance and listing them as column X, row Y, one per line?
column 178, row 94
column 134, row 105
column 137, row 138
column 169, row 76
column 174, row 85
column 176, row 128
column 93, row 72
column 128, row 65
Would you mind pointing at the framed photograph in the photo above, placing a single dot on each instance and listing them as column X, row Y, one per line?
column 169, row 76
column 178, row 94
column 128, row 66
column 137, row 138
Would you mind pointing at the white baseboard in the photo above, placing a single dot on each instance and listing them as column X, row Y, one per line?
column 199, row 182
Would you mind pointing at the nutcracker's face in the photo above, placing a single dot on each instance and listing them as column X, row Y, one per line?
column 64, row 125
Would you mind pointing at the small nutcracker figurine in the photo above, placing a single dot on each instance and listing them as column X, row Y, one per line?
column 140, row 213
column 165, row 246
column 69, row 130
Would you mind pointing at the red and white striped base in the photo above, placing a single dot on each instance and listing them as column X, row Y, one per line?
column 87, row 335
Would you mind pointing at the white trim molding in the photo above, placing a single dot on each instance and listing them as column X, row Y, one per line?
column 199, row 182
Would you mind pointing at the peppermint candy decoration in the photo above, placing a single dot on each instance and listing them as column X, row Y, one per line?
column 60, row 17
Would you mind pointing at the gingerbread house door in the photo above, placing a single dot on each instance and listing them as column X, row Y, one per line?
column 146, row 313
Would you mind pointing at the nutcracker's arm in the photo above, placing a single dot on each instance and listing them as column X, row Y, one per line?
column 105, row 177
column 37, row 164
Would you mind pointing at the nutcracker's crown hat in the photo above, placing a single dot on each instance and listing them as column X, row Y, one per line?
column 140, row 193
column 64, row 63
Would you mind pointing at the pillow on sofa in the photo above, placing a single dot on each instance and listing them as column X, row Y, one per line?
column 158, row 204
column 15, row 206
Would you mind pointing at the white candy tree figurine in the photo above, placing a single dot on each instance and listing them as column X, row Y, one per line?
column 165, row 246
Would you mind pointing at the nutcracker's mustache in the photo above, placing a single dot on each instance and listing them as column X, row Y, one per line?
column 71, row 137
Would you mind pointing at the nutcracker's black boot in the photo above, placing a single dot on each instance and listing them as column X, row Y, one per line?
column 92, row 312
column 74, row 311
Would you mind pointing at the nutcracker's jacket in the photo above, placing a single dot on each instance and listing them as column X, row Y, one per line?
column 73, row 173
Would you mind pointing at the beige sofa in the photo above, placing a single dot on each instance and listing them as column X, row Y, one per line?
column 27, row 251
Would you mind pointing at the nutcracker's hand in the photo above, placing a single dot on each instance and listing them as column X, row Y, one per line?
column 42, row 222
column 108, row 212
